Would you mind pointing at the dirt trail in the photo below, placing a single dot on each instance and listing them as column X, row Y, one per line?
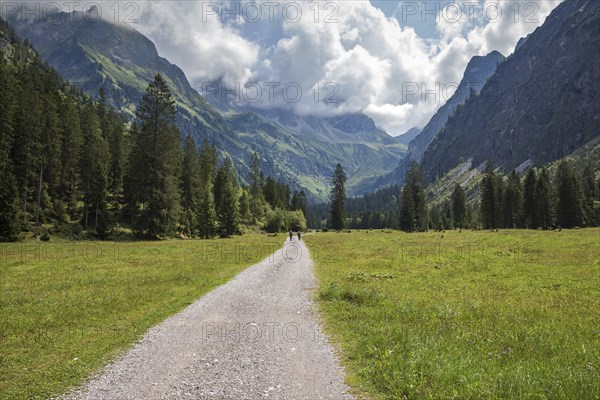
column 254, row 337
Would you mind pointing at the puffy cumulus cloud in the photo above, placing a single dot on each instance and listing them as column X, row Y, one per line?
column 344, row 56
column 384, row 69
column 192, row 35
column 504, row 23
column 361, row 61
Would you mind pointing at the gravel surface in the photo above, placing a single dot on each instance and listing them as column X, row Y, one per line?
column 254, row 337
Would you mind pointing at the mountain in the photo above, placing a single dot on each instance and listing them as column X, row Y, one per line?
column 365, row 151
column 478, row 71
column 541, row 104
column 408, row 136
column 301, row 151
column 308, row 148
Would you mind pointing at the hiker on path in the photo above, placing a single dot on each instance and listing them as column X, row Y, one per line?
column 299, row 236
column 291, row 235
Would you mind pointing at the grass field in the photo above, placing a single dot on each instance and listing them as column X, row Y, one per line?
column 469, row 315
column 67, row 308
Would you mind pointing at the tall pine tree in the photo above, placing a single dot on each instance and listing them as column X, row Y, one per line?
column 543, row 208
column 226, row 199
column 154, row 163
column 570, row 197
column 459, row 208
column 94, row 172
column 190, row 186
column 529, row 207
column 338, row 199
column 206, row 212
column 489, row 198
column 413, row 215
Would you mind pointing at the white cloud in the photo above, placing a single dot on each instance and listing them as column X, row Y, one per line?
column 372, row 59
column 190, row 35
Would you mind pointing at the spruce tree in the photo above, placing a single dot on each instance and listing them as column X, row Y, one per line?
column 70, row 157
column 529, row 207
column 413, row 214
column 459, row 208
column 299, row 202
column 489, row 201
column 570, row 197
column 190, row 186
column 543, row 215
column 255, row 184
column 226, row 199
column 155, row 164
column 589, row 195
column 338, row 199
column 29, row 124
column 94, row 172
column 512, row 202
column 206, row 213
column 9, row 205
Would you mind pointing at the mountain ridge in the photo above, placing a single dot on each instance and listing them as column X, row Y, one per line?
column 477, row 72
column 541, row 104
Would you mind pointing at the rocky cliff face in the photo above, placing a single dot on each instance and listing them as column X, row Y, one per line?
column 479, row 69
column 541, row 104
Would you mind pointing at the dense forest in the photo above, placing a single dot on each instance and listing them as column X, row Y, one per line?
column 73, row 166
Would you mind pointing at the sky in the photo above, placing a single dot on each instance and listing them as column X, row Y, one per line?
column 396, row 61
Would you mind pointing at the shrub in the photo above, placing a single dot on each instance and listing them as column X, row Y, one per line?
column 280, row 220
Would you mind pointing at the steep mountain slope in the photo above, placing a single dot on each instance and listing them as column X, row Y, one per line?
column 409, row 135
column 476, row 74
column 542, row 103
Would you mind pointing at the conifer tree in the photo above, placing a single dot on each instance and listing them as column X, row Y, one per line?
column 489, row 201
column 338, row 199
column 155, row 162
column 9, row 206
column 71, row 147
column 206, row 213
column 255, row 184
column 589, row 195
column 190, row 186
column 94, row 172
column 570, row 197
column 543, row 215
column 529, row 207
column 413, row 214
column 512, row 202
column 226, row 193
column 459, row 208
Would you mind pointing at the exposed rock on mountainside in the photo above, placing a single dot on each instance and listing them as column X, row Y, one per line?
column 541, row 104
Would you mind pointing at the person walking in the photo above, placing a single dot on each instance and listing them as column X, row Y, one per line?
column 291, row 235
column 299, row 236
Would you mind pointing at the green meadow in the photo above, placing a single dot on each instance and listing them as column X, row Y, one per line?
column 463, row 315
column 67, row 308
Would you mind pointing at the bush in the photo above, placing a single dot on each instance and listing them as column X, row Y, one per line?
column 281, row 221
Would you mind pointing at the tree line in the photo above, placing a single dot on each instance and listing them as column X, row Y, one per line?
column 536, row 201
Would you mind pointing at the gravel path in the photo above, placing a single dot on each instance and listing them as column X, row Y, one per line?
column 254, row 337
